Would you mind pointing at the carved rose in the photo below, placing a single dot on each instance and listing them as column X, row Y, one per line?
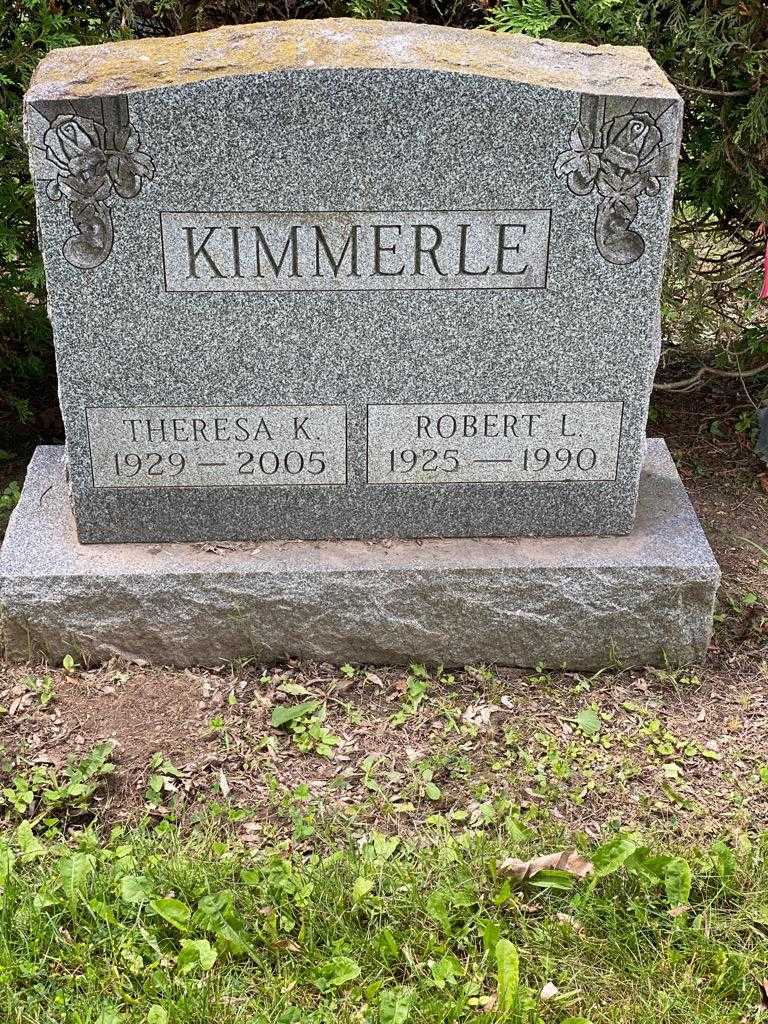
column 632, row 141
column 626, row 166
column 83, row 149
column 73, row 144
column 92, row 160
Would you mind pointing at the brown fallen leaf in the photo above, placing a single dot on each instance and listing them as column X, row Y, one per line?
column 763, row 478
column 565, row 860
column 762, row 987
column 479, row 714
column 571, row 922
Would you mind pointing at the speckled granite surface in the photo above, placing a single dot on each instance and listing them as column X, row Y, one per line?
column 646, row 598
column 506, row 205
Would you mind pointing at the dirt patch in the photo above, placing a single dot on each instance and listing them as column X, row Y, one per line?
column 726, row 481
column 52, row 718
column 646, row 748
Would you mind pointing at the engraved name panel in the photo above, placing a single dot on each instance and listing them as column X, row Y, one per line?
column 354, row 250
column 515, row 442
column 218, row 446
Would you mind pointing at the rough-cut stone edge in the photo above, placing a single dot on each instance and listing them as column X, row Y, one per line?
column 578, row 602
column 343, row 43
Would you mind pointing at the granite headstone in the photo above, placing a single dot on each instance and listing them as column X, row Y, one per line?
column 342, row 279
column 338, row 281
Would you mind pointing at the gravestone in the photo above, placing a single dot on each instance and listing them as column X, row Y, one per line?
column 344, row 279
column 316, row 284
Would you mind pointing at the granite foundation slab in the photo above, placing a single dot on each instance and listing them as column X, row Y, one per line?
column 640, row 599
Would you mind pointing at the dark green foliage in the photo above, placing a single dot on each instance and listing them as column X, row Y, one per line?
column 28, row 407
column 9, row 498
column 716, row 52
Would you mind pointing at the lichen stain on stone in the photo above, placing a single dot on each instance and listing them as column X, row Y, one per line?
column 341, row 43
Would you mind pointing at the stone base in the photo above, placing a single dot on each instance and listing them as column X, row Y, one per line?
column 582, row 603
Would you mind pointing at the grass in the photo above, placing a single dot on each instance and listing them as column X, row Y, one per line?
column 355, row 847
column 223, row 921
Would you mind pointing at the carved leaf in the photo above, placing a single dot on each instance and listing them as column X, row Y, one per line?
column 79, row 187
column 581, row 138
column 566, row 163
column 127, row 171
column 593, row 165
column 143, row 165
column 582, row 182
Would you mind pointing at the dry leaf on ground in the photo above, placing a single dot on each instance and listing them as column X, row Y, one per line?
column 570, row 922
column 565, row 860
column 679, row 910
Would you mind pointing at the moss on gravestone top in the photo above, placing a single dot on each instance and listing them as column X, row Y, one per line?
column 142, row 64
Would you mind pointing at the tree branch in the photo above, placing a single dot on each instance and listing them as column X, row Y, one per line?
column 715, row 92
column 690, row 383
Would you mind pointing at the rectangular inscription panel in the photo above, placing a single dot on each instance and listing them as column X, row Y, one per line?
column 218, row 446
column 354, row 250
column 513, row 442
